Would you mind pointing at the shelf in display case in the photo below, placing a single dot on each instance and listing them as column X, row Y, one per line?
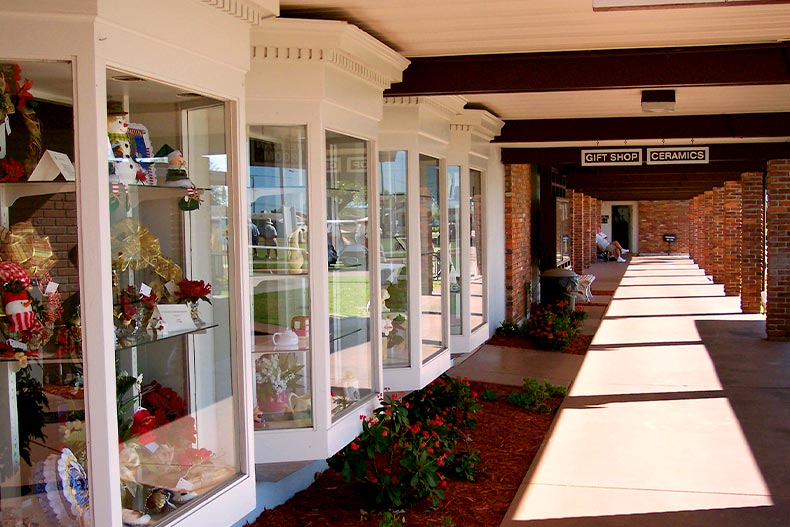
column 128, row 343
column 14, row 191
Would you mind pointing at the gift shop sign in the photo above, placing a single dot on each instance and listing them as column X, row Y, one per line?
column 671, row 155
column 612, row 157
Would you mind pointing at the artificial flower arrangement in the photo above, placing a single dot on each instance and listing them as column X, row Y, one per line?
column 160, row 466
column 193, row 290
column 16, row 99
column 275, row 374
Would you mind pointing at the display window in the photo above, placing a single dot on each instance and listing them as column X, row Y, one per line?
column 454, row 245
column 477, row 252
column 352, row 361
column 279, row 276
column 431, row 286
column 393, row 196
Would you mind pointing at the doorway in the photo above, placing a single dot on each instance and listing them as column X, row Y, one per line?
column 621, row 224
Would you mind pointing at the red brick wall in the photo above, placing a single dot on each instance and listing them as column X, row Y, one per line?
column 732, row 237
column 778, row 222
column 55, row 216
column 657, row 218
column 752, row 248
column 517, row 240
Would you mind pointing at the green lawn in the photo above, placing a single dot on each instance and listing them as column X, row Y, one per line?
column 348, row 297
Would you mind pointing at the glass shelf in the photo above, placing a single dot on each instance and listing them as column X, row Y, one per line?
column 128, row 343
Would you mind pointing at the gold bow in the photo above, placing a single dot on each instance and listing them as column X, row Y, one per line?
column 135, row 247
column 24, row 246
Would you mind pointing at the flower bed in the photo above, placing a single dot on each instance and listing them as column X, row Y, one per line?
column 507, row 439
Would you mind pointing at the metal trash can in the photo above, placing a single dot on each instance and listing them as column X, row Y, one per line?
column 559, row 284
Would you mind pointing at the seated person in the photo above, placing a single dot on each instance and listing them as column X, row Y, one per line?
column 614, row 248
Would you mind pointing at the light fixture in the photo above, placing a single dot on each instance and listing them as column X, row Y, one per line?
column 658, row 101
column 127, row 78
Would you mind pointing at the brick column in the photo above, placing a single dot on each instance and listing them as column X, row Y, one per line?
column 517, row 240
column 717, row 238
column 706, row 226
column 777, row 218
column 693, row 228
column 732, row 237
column 589, row 234
column 752, row 245
column 577, row 231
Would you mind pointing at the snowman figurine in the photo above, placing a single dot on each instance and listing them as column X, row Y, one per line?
column 126, row 170
column 17, row 303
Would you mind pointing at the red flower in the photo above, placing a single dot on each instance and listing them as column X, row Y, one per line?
column 11, row 170
column 354, row 446
column 194, row 290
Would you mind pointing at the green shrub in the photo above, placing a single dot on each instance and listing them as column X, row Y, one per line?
column 489, row 396
column 508, row 329
column 537, row 397
column 409, row 446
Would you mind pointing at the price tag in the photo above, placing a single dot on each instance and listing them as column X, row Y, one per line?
column 52, row 288
column 16, row 344
column 171, row 287
column 176, row 317
column 184, row 485
column 145, row 289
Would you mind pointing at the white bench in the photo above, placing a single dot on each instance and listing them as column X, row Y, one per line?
column 585, row 281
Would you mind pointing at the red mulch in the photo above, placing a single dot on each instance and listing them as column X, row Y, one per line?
column 603, row 292
column 506, row 456
column 578, row 345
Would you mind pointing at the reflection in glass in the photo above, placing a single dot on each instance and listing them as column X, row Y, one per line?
column 351, row 351
column 454, row 231
column 394, row 275
column 477, row 252
column 43, row 449
column 277, row 193
column 169, row 209
column 563, row 231
column 430, row 257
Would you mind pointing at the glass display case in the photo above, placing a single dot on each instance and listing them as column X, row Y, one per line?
column 317, row 304
column 470, row 149
column 42, row 398
column 178, row 424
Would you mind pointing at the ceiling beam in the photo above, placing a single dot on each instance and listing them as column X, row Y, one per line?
column 638, row 195
column 731, row 65
column 758, row 153
column 646, row 128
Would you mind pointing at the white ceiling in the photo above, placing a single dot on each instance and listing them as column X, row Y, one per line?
column 418, row 28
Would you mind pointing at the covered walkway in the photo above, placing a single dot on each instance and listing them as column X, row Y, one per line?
column 679, row 414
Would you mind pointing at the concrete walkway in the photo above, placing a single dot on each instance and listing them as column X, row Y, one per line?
column 679, row 415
